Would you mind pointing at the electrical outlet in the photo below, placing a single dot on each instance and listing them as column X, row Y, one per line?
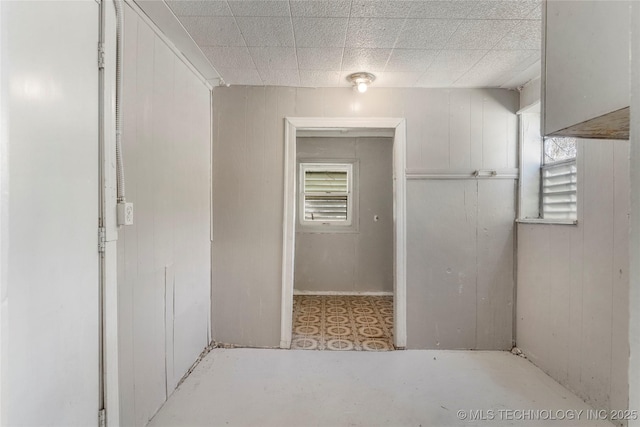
column 125, row 213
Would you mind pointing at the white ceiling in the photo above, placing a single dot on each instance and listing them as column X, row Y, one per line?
column 451, row 43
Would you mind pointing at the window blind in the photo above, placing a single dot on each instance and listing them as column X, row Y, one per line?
column 559, row 190
column 325, row 195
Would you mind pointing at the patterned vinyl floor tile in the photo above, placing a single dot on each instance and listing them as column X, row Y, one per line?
column 361, row 323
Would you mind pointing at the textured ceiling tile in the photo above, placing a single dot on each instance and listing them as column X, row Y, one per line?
column 441, row 9
column 536, row 13
column 496, row 67
column 380, row 9
column 258, row 31
column 449, row 66
column 426, row 33
column 320, row 32
column 259, row 8
column 277, row 58
column 213, row 31
column 365, row 59
column 397, row 79
column 235, row 76
column 509, row 9
column 435, row 80
column 373, row 32
column 410, row 59
column 199, row 8
column 321, row 9
column 280, row 77
column 319, row 58
column 530, row 73
column 342, row 80
column 480, row 34
column 228, row 57
column 526, row 35
column 319, row 78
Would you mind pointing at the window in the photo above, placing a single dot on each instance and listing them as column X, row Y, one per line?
column 559, row 179
column 558, row 149
column 326, row 194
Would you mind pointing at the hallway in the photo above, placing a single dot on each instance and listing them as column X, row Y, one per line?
column 252, row 387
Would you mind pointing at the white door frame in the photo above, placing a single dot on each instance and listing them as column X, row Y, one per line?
column 292, row 125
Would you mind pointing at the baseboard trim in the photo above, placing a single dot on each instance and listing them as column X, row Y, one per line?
column 344, row 293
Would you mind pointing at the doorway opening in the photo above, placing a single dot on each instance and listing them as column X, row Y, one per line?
column 323, row 220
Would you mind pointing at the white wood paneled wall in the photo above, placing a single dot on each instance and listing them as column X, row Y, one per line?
column 459, row 130
column 164, row 259
column 573, row 283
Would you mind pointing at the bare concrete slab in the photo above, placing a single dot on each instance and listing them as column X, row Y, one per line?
column 255, row 387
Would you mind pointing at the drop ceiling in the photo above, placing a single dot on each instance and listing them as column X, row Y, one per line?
column 305, row 43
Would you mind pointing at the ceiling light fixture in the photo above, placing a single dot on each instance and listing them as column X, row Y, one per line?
column 361, row 80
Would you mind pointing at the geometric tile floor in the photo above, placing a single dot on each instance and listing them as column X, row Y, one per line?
column 343, row 322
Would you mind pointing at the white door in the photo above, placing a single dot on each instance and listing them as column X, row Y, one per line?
column 49, row 216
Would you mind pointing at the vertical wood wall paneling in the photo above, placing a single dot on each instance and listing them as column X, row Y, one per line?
column 445, row 129
column 557, row 318
column 598, row 277
column 128, row 248
column 165, row 257
column 495, row 253
column 435, row 140
column 619, row 395
column 148, row 311
column 577, row 261
column 573, row 283
column 459, row 130
column 441, row 264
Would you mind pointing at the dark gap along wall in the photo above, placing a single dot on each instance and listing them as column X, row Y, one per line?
column 460, row 232
column 361, row 258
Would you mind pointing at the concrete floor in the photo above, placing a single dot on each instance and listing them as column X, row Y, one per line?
column 253, row 387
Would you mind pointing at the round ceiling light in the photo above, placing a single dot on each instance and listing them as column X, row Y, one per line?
column 361, row 80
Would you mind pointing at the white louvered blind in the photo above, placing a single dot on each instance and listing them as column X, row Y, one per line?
column 559, row 190
column 325, row 193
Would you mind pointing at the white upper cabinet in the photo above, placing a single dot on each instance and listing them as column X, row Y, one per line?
column 585, row 69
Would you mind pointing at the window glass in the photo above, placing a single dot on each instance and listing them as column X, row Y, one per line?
column 557, row 149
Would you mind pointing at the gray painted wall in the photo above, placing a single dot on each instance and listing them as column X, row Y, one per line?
column 573, row 283
column 530, row 93
column 446, row 130
column 571, row 95
column 164, row 258
column 361, row 260
column 460, row 239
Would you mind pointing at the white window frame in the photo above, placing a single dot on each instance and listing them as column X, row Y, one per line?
column 531, row 164
column 329, row 167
